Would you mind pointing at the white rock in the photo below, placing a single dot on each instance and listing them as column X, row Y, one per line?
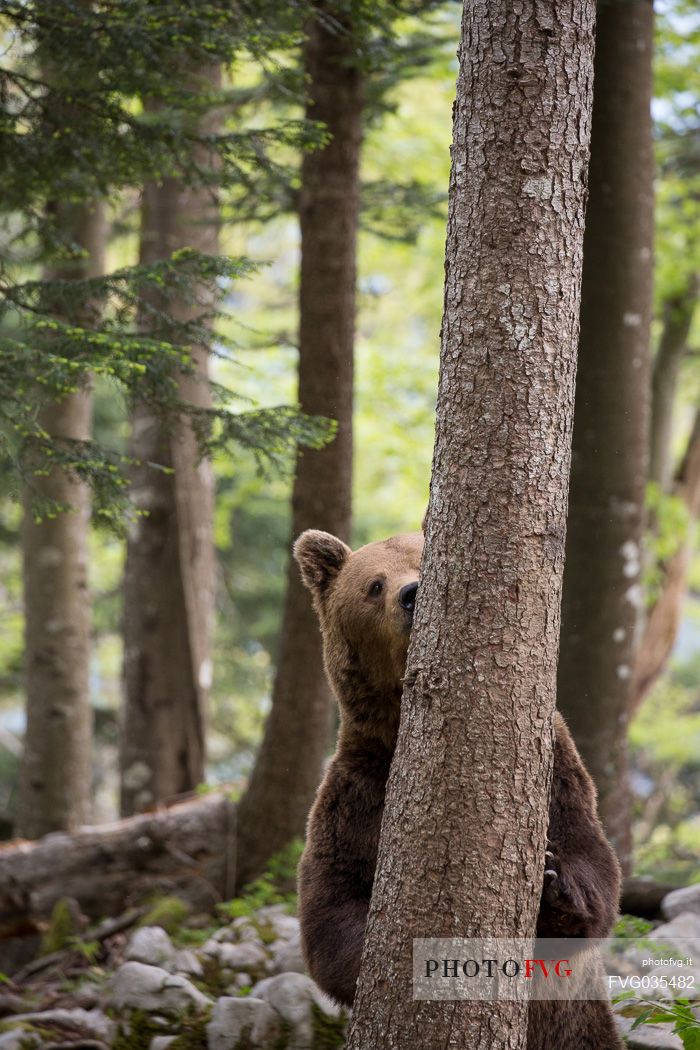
column 151, row 945
column 287, row 956
column 232, row 1018
column 273, row 919
column 18, row 1039
column 686, row 899
column 283, row 925
column 136, row 986
column 185, row 961
column 245, row 956
column 92, row 1022
column 240, row 980
column 243, row 929
column 648, row 1036
column 161, row 1042
column 225, row 933
column 683, row 928
column 291, row 996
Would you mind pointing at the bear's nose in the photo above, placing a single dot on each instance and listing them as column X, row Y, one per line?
column 407, row 596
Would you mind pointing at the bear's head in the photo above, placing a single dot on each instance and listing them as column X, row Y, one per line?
column 365, row 601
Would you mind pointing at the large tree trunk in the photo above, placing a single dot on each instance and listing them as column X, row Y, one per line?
column 56, row 768
column 602, row 598
column 169, row 577
column 474, row 753
column 297, row 734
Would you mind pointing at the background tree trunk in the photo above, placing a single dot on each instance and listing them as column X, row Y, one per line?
column 602, row 598
column 169, row 576
column 663, row 618
column 485, row 637
column 678, row 317
column 297, row 734
column 56, row 768
column 663, row 615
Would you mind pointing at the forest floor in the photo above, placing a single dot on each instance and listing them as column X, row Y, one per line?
column 164, row 978
column 187, row 984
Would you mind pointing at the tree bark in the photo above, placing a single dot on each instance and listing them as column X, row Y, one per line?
column 55, row 781
column 678, row 317
column 288, row 768
column 169, row 576
column 602, row 598
column 486, row 630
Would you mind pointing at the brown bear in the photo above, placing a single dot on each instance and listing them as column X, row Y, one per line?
column 365, row 600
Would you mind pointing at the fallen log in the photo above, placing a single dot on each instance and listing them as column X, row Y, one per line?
column 642, row 896
column 185, row 850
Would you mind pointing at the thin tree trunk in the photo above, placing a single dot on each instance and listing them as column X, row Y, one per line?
column 602, row 599
column 663, row 618
column 169, row 576
column 487, row 620
column 678, row 317
column 297, row 734
column 56, row 768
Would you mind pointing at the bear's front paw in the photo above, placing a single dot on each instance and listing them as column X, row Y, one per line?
column 564, row 910
column 550, row 888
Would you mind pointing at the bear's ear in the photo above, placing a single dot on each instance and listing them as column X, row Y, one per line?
column 320, row 557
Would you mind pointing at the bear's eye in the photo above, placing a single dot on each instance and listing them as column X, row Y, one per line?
column 376, row 588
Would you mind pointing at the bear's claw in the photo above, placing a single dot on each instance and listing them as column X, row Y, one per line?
column 562, row 895
column 550, row 889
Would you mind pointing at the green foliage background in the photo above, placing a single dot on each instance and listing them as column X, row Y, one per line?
column 405, row 172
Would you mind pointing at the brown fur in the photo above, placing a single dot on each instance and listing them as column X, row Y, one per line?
column 365, row 639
